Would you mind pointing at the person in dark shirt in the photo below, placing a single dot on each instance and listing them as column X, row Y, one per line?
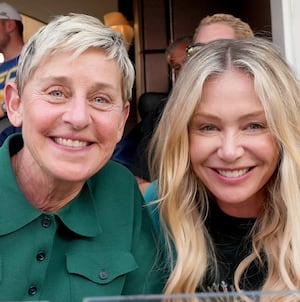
column 227, row 171
column 132, row 151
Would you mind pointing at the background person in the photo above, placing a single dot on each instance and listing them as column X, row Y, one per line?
column 227, row 171
column 176, row 55
column 76, row 235
column 132, row 151
column 221, row 26
column 11, row 43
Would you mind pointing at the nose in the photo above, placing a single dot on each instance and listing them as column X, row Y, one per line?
column 231, row 147
column 77, row 113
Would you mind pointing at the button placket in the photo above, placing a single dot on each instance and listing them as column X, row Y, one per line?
column 40, row 256
column 32, row 290
column 41, row 253
column 46, row 221
column 103, row 275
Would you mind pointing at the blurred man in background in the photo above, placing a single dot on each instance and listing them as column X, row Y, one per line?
column 11, row 44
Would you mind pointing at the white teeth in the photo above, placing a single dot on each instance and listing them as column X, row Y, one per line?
column 70, row 142
column 233, row 173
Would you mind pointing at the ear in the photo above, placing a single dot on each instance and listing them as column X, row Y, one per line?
column 123, row 119
column 13, row 104
column 10, row 25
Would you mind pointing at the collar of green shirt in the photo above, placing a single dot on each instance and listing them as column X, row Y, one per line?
column 16, row 211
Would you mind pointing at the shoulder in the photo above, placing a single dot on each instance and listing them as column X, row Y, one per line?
column 150, row 197
column 114, row 183
column 9, row 64
column 114, row 175
column 115, row 170
column 151, row 192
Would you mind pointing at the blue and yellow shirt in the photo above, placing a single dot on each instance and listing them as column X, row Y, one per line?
column 8, row 72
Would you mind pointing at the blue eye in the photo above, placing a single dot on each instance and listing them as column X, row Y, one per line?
column 208, row 127
column 100, row 100
column 56, row 93
column 103, row 103
column 254, row 126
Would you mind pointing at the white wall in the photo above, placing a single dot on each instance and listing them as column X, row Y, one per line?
column 44, row 10
column 285, row 16
column 30, row 26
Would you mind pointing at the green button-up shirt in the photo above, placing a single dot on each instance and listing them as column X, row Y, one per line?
column 99, row 244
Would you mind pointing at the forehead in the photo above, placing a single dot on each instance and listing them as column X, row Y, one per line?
column 89, row 60
column 230, row 76
column 214, row 31
column 85, row 70
column 218, row 91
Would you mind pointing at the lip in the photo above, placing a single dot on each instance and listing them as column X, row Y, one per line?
column 233, row 176
column 71, row 142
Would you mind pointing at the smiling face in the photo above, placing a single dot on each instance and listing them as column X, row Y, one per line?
column 232, row 150
column 72, row 115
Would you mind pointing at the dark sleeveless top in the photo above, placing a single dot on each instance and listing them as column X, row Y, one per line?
column 232, row 244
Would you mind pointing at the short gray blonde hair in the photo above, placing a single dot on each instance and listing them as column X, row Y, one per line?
column 77, row 33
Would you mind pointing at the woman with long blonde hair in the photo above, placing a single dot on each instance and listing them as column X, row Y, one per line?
column 226, row 156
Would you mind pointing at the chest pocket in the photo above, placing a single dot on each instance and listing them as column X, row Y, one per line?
column 102, row 267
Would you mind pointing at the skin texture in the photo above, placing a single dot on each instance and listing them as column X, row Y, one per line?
column 232, row 150
column 214, row 31
column 67, row 135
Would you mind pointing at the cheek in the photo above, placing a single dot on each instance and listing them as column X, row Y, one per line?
column 109, row 126
column 268, row 148
column 39, row 120
column 198, row 150
column 37, row 112
column 272, row 154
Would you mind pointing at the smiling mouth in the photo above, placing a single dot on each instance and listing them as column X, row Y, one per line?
column 70, row 142
column 233, row 173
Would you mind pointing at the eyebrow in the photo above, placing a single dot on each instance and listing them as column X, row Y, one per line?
column 64, row 80
column 254, row 114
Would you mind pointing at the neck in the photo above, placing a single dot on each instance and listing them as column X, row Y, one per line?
column 43, row 191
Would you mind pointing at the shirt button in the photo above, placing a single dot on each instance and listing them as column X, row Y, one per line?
column 46, row 222
column 40, row 256
column 103, row 275
column 32, row 290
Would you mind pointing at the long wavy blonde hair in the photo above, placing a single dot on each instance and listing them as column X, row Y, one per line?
column 183, row 200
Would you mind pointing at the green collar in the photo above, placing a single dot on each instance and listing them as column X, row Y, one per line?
column 16, row 211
